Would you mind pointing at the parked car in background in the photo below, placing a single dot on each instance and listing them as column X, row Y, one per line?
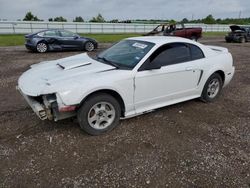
column 135, row 76
column 178, row 30
column 58, row 40
column 238, row 34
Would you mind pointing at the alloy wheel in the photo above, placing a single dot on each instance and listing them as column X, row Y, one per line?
column 101, row 115
column 89, row 46
column 213, row 88
column 41, row 47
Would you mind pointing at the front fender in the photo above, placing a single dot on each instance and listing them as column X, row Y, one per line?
column 75, row 97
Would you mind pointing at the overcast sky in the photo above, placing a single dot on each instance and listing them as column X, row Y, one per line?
column 125, row 9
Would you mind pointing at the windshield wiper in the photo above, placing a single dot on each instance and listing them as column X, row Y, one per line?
column 109, row 62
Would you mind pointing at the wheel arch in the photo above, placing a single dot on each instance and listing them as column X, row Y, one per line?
column 42, row 40
column 194, row 35
column 222, row 75
column 111, row 92
column 218, row 71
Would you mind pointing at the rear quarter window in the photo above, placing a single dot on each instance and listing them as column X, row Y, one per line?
column 196, row 52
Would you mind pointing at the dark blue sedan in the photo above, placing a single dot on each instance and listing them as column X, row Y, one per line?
column 58, row 40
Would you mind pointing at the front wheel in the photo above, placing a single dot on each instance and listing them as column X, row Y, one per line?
column 242, row 40
column 98, row 114
column 212, row 88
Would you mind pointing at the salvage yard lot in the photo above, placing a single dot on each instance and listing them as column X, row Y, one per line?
column 191, row 144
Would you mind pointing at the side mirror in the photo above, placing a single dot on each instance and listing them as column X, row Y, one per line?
column 152, row 66
column 76, row 36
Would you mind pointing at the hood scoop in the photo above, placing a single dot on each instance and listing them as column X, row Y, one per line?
column 72, row 64
column 74, row 61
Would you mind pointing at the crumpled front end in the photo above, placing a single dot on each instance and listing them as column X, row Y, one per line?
column 49, row 106
column 51, row 88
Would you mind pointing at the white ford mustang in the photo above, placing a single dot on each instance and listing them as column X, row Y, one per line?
column 132, row 77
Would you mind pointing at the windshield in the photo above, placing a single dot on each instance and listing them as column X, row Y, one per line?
column 125, row 54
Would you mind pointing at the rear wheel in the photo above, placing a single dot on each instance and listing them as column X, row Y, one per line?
column 212, row 88
column 98, row 114
column 89, row 46
column 194, row 38
column 41, row 47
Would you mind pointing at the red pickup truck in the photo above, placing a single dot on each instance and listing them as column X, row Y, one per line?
column 176, row 30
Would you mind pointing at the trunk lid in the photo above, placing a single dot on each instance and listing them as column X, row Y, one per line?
column 218, row 49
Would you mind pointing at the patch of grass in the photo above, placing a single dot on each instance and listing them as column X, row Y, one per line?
column 11, row 40
column 18, row 39
column 213, row 34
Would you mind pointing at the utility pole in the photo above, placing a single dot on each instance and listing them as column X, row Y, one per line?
column 239, row 14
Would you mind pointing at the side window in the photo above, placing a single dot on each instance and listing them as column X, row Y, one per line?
column 171, row 54
column 196, row 52
column 51, row 33
column 66, row 34
column 41, row 34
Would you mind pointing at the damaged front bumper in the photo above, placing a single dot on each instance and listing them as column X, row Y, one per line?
column 46, row 107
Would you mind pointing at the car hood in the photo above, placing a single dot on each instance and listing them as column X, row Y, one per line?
column 53, row 76
column 236, row 28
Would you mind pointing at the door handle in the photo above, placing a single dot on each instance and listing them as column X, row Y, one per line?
column 189, row 68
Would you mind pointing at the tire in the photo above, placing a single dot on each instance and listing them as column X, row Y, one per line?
column 212, row 88
column 89, row 46
column 98, row 114
column 41, row 47
column 242, row 40
column 194, row 38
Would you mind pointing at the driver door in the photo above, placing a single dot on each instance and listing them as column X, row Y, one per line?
column 69, row 40
column 175, row 77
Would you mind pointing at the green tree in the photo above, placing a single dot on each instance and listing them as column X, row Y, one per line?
column 50, row 19
column 30, row 17
column 98, row 18
column 209, row 20
column 114, row 21
column 172, row 21
column 78, row 19
column 60, row 19
column 184, row 20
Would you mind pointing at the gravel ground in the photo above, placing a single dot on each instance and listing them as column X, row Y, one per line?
column 191, row 144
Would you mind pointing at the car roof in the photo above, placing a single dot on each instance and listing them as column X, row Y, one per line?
column 52, row 29
column 160, row 40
